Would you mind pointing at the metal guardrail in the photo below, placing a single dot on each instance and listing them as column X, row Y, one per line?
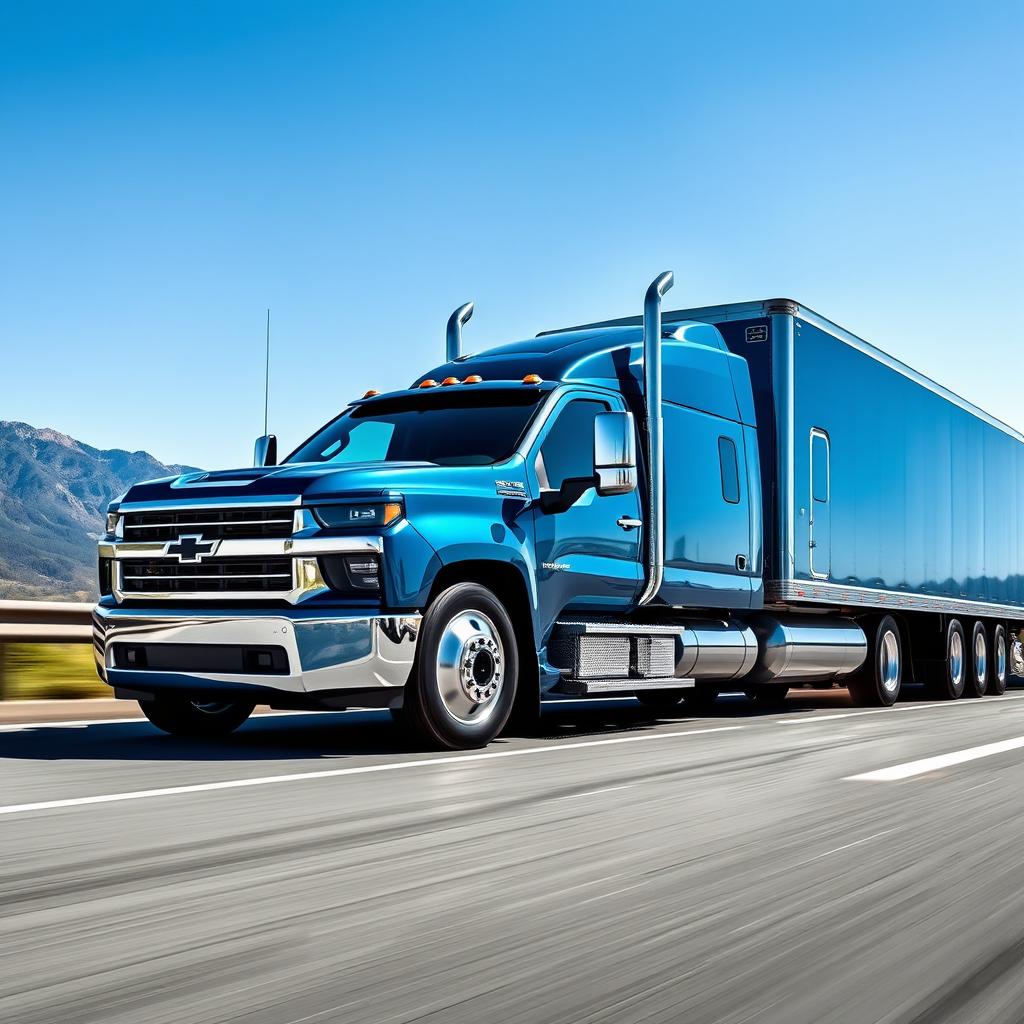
column 45, row 622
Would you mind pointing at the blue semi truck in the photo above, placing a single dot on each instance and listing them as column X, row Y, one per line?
column 742, row 497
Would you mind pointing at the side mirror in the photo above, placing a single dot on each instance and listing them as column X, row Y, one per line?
column 266, row 451
column 614, row 453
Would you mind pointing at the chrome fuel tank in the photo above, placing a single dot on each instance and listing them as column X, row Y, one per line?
column 807, row 647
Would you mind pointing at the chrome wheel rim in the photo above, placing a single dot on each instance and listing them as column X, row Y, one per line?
column 980, row 657
column 470, row 667
column 1001, row 658
column 890, row 662
column 956, row 661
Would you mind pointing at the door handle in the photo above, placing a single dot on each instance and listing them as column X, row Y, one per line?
column 629, row 523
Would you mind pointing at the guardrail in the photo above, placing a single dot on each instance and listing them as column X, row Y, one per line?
column 45, row 622
column 41, row 622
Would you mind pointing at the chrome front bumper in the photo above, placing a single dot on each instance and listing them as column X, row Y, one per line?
column 325, row 651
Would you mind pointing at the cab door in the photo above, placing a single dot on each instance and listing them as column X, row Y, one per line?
column 588, row 556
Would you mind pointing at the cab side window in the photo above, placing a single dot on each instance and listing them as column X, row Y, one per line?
column 568, row 450
column 729, row 466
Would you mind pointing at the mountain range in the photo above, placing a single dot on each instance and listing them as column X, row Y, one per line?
column 54, row 492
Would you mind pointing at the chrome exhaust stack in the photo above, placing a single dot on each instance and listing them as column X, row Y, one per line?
column 453, row 334
column 655, row 444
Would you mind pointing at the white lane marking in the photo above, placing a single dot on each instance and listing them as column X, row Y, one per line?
column 594, row 792
column 932, row 764
column 614, row 892
column 839, row 849
column 369, row 769
column 812, row 718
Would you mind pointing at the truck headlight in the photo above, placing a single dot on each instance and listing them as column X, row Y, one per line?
column 112, row 518
column 373, row 513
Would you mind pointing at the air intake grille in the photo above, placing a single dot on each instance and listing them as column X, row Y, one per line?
column 214, row 575
column 212, row 524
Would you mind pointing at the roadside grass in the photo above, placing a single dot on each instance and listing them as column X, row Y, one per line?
column 49, row 672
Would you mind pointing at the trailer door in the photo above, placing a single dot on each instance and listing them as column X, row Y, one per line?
column 819, row 533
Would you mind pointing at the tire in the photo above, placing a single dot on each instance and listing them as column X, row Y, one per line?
column 182, row 717
column 768, row 695
column 1000, row 671
column 663, row 702
column 463, row 684
column 948, row 683
column 879, row 681
column 978, row 663
column 700, row 697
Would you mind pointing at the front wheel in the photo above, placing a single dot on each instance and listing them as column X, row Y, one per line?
column 182, row 717
column 464, row 682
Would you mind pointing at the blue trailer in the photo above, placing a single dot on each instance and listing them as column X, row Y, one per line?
column 732, row 497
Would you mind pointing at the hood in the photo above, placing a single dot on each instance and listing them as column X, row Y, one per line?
column 312, row 481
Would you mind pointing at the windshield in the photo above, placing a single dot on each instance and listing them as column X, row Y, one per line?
column 447, row 428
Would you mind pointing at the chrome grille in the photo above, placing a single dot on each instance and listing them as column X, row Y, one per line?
column 213, row 524
column 210, row 576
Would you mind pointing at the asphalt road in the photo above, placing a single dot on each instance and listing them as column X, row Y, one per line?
column 619, row 868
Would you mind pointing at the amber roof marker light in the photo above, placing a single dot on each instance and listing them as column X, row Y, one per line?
column 473, row 378
column 428, row 383
column 371, row 393
column 533, row 378
column 449, row 381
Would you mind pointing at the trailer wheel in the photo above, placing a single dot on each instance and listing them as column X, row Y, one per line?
column 949, row 684
column 878, row 682
column 1000, row 673
column 464, row 682
column 977, row 673
column 182, row 717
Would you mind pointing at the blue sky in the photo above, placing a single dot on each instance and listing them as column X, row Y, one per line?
column 170, row 170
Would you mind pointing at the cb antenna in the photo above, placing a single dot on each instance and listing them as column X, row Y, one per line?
column 266, row 380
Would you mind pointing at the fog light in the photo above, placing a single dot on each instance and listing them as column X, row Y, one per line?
column 363, row 572
column 307, row 576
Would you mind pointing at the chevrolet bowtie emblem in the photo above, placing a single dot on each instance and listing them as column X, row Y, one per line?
column 190, row 547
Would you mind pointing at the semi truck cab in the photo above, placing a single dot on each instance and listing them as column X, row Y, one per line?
column 579, row 513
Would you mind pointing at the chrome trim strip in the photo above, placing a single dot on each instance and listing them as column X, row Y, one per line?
column 201, row 504
column 214, row 576
column 813, row 592
column 231, row 522
column 262, row 547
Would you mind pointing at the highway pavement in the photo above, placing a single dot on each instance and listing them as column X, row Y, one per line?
column 814, row 864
